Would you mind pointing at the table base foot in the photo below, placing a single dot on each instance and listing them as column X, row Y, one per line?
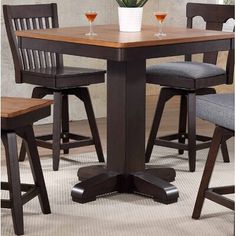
column 160, row 190
column 89, row 189
column 150, row 182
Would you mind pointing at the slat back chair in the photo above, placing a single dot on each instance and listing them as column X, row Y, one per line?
column 46, row 69
column 222, row 13
column 31, row 17
column 188, row 79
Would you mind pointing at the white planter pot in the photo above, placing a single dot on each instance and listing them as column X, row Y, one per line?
column 130, row 19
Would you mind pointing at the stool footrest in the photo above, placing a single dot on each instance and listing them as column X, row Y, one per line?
column 45, row 137
column 31, row 191
column 79, row 141
column 170, row 144
column 78, row 137
column 204, row 145
column 203, row 138
column 75, row 144
column 223, row 190
column 30, row 194
column 170, row 137
column 43, row 143
column 24, row 187
column 167, row 141
column 215, row 195
column 6, row 204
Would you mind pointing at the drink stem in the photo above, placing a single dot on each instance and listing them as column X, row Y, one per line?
column 160, row 30
column 91, row 28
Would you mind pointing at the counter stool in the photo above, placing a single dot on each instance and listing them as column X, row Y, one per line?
column 47, row 70
column 188, row 79
column 218, row 109
column 17, row 118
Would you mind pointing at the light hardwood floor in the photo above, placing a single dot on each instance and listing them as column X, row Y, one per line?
column 168, row 125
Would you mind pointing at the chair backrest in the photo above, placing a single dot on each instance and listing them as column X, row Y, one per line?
column 215, row 16
column 28, row 17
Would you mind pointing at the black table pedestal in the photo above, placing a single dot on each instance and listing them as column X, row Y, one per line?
column 125, row 171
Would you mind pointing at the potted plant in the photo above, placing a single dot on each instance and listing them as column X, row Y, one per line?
column 130, row 14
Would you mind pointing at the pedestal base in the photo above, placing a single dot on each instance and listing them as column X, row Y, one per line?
column 97, row 180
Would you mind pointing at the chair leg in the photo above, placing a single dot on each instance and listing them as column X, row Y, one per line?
column 34, row 160
column 65, row 121
column 57, row 117
column 9, row 141
column 38, row 92
column 224, row 151
column 22, row 154
column 83, row 94
column 182, row 120
column 192, row 131
column 217, row 138
column 163, row 98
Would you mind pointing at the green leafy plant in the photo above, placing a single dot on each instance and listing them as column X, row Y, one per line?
column 229, row 2
column 131, row 3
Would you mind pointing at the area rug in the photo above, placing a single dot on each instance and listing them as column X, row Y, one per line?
column 124, row 214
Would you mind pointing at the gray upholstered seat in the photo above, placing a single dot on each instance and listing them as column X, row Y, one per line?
column 190, row 75
column 217, row 108
column 188, row 70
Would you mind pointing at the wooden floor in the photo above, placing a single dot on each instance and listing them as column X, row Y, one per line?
column 168, row 125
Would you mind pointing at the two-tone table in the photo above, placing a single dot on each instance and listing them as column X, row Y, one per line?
column 126, row 55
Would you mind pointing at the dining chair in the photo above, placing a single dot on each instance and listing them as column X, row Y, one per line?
column 218, row 109
column 47, row 72
column 188, row 79
column 17, row 117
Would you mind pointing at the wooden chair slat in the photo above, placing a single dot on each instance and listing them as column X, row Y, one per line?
column 27, row 51
column 22, row 52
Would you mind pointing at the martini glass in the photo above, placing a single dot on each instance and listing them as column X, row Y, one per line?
column 160, row 16
column 91, row 15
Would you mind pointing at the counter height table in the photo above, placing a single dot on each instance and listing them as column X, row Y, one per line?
column 126, row 55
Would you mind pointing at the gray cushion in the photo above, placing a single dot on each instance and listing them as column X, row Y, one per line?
column 191, row 70
column 217, row 108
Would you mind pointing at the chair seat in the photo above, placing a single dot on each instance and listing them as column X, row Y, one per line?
column 19, row 112
column 64, row 77
column 189, row 75
column 15, row 106
column 217, row 108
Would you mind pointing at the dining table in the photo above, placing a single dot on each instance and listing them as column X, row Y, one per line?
column 126, row 54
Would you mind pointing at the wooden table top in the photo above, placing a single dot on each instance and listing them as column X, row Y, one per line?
column 14, row 106
column 110, row 36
